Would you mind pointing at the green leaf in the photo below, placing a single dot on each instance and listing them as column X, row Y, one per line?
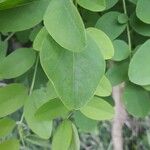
column 23, row 36
column 62, row 136
column 12, row 144
column 93, row 5
column 133, row 1
column 104, row 88
column 37, row 141
column 38, row 42
column 98, row 109
column 75, row 141
column 35, row 100
column 12, row 97
column 41, row 79
column 23, row 17
column 51, row 110
column 65, row 25
column 110, row 3
column 75, row 75
column 123, row 18
column 84, row 124
column 118, row 73
column 3, row 49
column 140, row 27
column 140, row 61
column 122, row 50
column 17, row 63
column 103, row 41
column 136, row 100
column 146, row 87
column 143, row 10
column 7, row 4
column 110, row 25
column 50, row 91
column 6, row 126
column 34, row 32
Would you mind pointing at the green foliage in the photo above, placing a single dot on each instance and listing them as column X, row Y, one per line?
column 34, row 101
column 6, row 4
column 139, row 26
column 23, row 17
column 93, row 5
column 3, row 49
column 103, row 42
column 17, row 63
column 122, row 50
column 104, row 88
column 51, row 110
column 12, row 144
column 12, row 97
column 75, row 141
column 70, row 72
column 122, row 19
column 63, row 16
column 62, row 137
column 110, row 25
column 84, row 124
column 98, row 109
column 140, row 77
column 6, row 126
column 118, row 73
column 58, row 58
column 136, row 100
column 110, row 3
column 143, row 11
column 39, row 39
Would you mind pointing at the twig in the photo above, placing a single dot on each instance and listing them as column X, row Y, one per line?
column 30, row 92
column 9, row 36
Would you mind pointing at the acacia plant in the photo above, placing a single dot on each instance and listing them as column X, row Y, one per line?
column 59, row 60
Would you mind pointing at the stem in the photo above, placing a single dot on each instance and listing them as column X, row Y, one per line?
column 34, row 76
column 128, row 28
column 32, row 84
column 9, row 36
column 30, row 92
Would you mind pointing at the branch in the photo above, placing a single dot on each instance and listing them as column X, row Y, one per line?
column 120, row 118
